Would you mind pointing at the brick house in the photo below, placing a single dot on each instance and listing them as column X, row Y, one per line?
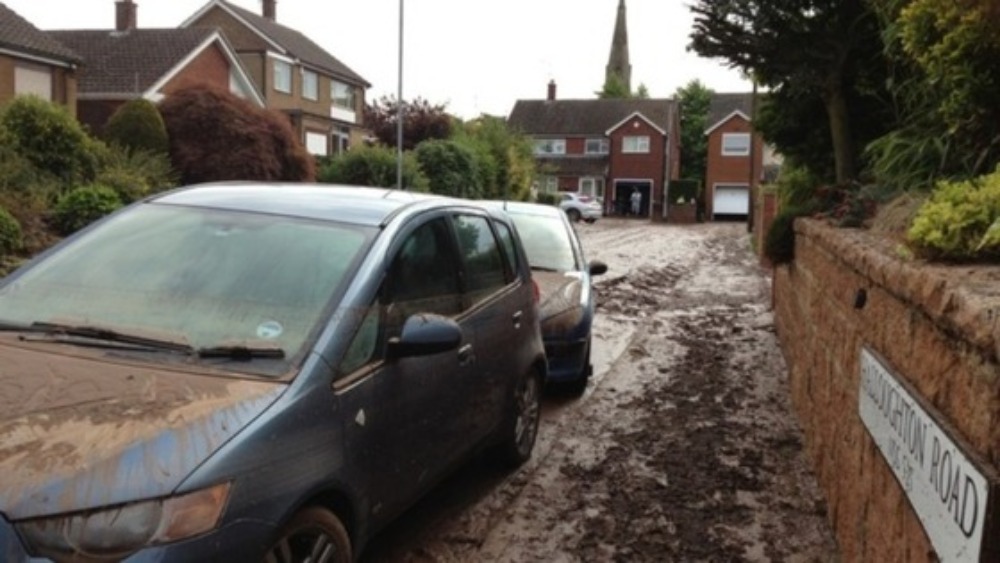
column 738, row 158
column 604, row 148
column 323, row 98
column 127, row 62
column 32, row 62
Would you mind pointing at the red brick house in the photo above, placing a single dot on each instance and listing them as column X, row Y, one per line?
column 605, row 148
column 735, row 163
column 128, row 62
column 323, row 98
column 32, row 62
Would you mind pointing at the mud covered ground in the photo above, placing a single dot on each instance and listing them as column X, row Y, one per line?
column 684, row 447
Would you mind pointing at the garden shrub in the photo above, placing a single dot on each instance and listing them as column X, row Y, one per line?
column 10, row 234
column 779, row 243
column 450, row 168
column 50, row 138
column 135, row 174
column 548, row 198
column 685, row 191
column 372, row 166
column 137, row 125
column 215, row 135
column 960, row 221
column 82, row 206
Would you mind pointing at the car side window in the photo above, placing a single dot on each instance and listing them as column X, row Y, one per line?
column 422, row 278
column 510, row 249
column 481, row 256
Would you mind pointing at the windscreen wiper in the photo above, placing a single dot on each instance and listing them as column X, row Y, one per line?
column 241, row 352
column 105, row 334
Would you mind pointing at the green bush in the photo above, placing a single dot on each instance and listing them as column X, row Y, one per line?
column 137, row 125
column 50, row 138
column 548, row 198
column 135, row 174
column 779, row 243
column 83, row 206
column 10, row 233
column 451, row 168
column 960, row 221
column 796, row 185
column 683, row 190
column 372, row 166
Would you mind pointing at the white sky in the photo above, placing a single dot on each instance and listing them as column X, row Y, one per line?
column 475, row 56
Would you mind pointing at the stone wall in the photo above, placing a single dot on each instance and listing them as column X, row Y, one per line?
column 938, row 327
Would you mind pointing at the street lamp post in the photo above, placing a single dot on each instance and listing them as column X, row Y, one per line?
column 399, row 107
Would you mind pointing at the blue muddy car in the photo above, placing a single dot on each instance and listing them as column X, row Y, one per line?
column 246, row 372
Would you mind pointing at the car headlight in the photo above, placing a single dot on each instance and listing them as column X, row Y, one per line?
column 114, row 533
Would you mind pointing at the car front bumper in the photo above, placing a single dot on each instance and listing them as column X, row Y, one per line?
column 568, row 361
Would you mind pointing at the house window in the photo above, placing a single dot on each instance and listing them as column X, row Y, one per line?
column 547, row 184
column 341, row 140
column 550, row 146
column 635, row 144
column 34, row 80
column 342, row 94
column 310, row 85
column 735, row 144
column 592, row 186
column 316, row 143
column 283, row 77
column 596, row 146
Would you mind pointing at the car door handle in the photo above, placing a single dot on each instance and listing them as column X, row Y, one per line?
column 517, row 319
column 465, row 355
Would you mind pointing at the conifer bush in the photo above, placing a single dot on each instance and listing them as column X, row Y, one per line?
column 84, row 205
column 137, row 125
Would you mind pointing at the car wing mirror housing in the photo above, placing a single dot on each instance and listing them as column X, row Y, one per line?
column 425, row 334
column 596, row 267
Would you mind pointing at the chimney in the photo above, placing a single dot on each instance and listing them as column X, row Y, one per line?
column 270, row 9
column 125, row 15
column 552, row 91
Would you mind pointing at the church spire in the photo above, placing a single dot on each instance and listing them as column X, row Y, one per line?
column 618, row 63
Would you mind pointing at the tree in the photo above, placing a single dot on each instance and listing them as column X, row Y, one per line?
column 137, row 125
column 824, row 49
column 614, row 87
column 642, row 92
column 511, row 154
column 451, row 168
column 422, row 121
column 694, row 100
column 215, row 135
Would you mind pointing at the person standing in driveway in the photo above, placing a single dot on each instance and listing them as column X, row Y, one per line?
column 636, row 199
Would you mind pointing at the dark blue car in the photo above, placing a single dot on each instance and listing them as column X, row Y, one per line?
column 241, row 372
column 564, row 278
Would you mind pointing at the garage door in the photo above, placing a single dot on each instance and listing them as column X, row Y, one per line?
column 731, row 200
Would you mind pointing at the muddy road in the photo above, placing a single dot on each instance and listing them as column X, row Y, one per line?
column 684, row 446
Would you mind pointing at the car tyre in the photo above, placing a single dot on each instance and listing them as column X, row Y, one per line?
column 521, row 427
column 314, row 534
column 573, row 214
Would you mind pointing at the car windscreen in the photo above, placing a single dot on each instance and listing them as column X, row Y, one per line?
column 546, row 242
column 213, row 279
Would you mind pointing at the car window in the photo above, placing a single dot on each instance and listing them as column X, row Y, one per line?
column 210, row 277
column 510, row 249
column 481, row 256
column 546, row 242
column 421, row 278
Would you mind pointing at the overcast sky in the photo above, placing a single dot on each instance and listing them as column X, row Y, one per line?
column 475, row 56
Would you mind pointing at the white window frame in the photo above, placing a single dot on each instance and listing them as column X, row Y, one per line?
column 602, row 146
column 592, row 186
column 635, row 144
column 550, row 146
column 282, row 76
column 342, row 95
column 548, row 185
column 310, row 85
column 742, row 147
column 33, row 80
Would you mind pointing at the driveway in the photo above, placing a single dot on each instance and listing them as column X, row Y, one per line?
column 684, row 448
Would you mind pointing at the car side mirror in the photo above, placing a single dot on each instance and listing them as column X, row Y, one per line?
column 596, row 267
column 425, row 334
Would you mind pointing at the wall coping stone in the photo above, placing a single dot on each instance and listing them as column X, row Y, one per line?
column 963, row 299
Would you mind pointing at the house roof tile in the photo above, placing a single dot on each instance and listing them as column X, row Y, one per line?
column 585, row 117
column 722, row 105
column 129, row 62
column 298, row 45
column 18, row 34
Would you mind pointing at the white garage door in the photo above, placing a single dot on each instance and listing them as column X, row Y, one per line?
column 731, row 200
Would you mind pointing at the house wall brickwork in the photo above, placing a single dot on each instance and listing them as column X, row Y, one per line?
column 938, row 328
column 210, row 67
column 637, row 166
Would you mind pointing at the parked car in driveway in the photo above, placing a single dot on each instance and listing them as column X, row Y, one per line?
column 580, row 207
column 564, row 278
column 246, row 372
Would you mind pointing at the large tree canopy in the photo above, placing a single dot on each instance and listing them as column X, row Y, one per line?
column 694, row 100
column 422, row 121
column 826, row 50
